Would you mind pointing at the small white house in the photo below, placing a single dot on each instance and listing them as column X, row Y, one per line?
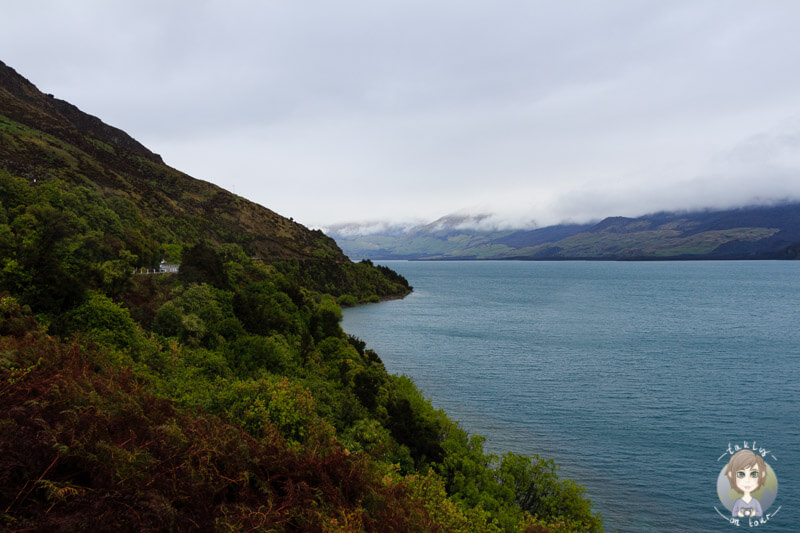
column 168, row 268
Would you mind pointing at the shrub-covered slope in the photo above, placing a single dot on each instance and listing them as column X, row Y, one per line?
column 45, row 139
column 226, row 396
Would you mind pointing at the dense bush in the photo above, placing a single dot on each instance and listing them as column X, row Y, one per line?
column 83, row 449
column 226, row 397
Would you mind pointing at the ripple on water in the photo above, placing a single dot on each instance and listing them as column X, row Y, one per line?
column 630, row 375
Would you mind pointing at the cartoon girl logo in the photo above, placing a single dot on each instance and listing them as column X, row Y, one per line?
column 746, row 472
column 747, row 485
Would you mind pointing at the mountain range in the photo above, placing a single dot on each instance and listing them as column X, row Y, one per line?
column 753, row 232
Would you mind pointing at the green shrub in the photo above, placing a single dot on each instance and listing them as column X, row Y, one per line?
column 346, row 300
column 104, row 320
column 538, row 490
column 249, row 353
column 270, row 402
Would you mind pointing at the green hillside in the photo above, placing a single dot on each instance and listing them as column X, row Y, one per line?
column 755, row 232
column 223, row 397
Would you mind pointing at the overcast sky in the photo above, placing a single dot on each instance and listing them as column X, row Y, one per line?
column 355, row 110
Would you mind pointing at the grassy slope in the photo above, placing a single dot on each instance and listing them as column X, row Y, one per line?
column 659, row 243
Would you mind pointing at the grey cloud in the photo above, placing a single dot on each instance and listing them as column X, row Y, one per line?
column 531, row 109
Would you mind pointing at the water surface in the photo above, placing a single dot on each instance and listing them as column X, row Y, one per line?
column 633, row 376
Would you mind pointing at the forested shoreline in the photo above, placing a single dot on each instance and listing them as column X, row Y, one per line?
column 226, row 396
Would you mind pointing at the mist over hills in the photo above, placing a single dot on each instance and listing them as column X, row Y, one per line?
column 753, row 232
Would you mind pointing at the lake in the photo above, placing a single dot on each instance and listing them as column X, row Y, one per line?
column 634, row 376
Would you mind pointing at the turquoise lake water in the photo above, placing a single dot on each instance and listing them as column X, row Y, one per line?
column 634, row 376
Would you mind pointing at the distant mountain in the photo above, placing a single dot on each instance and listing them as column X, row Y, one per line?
column 755, row 232
column 446, row 237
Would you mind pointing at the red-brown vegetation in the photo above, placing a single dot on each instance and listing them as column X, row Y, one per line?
column 85, row 447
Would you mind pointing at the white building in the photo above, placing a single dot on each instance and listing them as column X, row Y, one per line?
column 168, row 268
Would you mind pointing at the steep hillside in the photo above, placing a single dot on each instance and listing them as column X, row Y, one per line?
column 759, row 232
column 221, row 397
column 43, row 138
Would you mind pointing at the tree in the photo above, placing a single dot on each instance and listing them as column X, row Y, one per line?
column 202, row 264
column 538, row 490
